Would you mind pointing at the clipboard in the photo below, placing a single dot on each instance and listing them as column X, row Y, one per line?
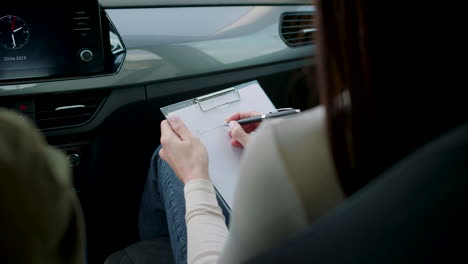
column 204, row 117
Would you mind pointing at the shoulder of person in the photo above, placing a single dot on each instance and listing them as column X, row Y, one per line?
column 300, row 140
column 302, row 146
column 298, row 130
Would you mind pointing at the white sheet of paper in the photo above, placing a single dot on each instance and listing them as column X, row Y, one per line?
column 224, row 159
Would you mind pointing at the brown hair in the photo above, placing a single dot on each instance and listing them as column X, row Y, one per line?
column 379, row 106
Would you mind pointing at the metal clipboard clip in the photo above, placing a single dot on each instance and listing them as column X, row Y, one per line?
column 229, row 95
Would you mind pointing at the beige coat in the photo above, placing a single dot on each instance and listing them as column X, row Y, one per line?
column 287, row 181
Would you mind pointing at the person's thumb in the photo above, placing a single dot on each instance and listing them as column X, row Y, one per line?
column 238, row 133
column 178, row 126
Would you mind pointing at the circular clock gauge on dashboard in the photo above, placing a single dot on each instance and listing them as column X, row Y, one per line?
column 14, row 32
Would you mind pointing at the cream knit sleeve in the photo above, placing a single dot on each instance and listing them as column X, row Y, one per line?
column 206, row 227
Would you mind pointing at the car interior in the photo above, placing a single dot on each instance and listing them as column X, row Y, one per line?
column 95, row 83
column 93, row 76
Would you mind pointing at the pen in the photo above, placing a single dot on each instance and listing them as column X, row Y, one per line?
column 281, row 112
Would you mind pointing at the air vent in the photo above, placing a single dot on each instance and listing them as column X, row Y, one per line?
column 67, row 109
column 298, row 29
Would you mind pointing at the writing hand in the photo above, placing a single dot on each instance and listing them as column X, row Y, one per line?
column 241, row 134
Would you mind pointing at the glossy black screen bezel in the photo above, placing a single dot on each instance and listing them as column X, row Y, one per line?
column 67, row 63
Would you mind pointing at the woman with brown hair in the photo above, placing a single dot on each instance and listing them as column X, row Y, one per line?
column 296, row 170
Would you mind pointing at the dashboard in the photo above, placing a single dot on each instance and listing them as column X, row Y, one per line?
column 225, row 38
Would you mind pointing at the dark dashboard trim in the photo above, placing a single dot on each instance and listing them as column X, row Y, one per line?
column 141, row 93
column 219, row 77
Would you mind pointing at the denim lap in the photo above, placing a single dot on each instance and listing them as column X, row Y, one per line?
column 174, row 203
column 162, row 208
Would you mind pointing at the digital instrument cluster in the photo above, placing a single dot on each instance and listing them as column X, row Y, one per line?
column 50, row 38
